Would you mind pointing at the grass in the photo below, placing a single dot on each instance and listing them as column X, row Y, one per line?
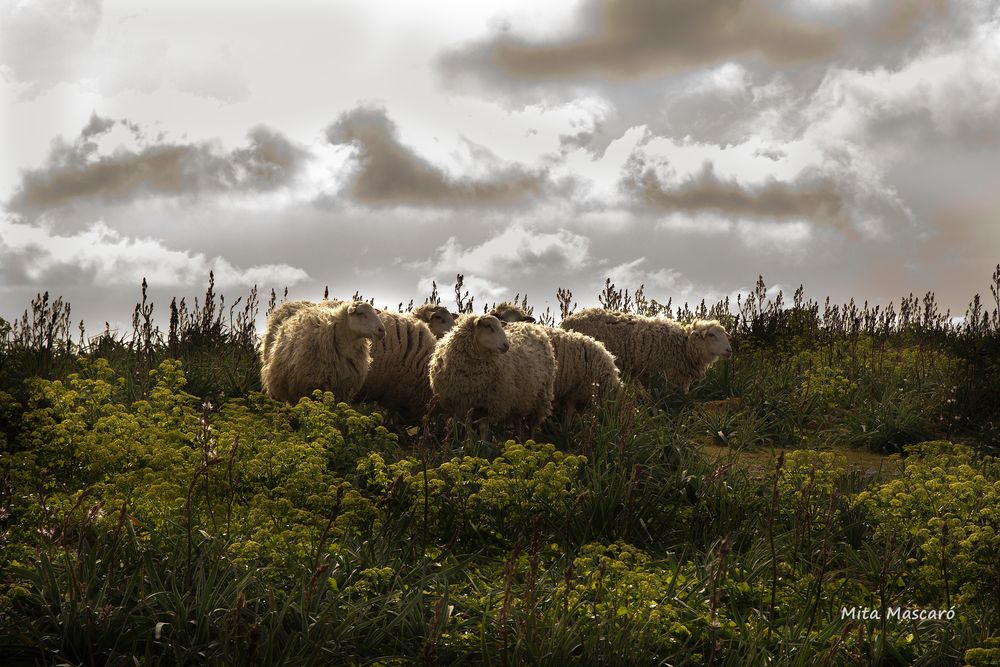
column 156, row 508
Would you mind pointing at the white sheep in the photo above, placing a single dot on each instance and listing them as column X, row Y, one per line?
column 585, row 371
column 647, row 346
column 398, row 376
column 438, row 318
column 496, row 372
column 322, row 348
column 280, row 313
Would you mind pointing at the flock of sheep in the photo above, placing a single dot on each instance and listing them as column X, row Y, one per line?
column 498, row 367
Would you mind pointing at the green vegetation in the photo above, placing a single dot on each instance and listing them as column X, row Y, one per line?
column 156, row 508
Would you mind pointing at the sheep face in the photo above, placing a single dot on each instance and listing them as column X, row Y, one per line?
column 364, row 322
column 490, row 336
column 718, row 341
column 441, row 321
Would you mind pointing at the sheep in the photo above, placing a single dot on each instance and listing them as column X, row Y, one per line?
column 499, row 373
column 438, row 318
column 398, row 376
column 506, row 311
column 646, row 346
column 324, row 347
column 281, row 313
column 585, row 370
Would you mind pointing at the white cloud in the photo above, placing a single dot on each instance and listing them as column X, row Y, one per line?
column 707, row 224
column 785, row 237
column 480, row 289
column 41, row 41
column 104, row 257
column 662, row 283
column 631, row 275
column 601, row 173
column 946, row 93
column 729, row 78
column 507, row 263
column 514, row 251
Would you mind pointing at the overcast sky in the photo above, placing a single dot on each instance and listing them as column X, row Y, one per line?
column 690, row 145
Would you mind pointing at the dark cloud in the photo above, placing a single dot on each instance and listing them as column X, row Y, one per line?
column 390, row 173
column 629, row 39
column 76, row 172
column 905, row 17
column 14, row 267
column 815, row 199
column 96, row 126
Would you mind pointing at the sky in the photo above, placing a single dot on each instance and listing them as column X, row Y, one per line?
column 687, row 145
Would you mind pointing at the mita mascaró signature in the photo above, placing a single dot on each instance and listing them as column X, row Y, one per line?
column 897, row 614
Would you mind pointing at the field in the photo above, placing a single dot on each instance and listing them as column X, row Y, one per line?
column 829, row 496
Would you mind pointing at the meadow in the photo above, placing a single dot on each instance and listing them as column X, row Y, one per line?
column 829, row 496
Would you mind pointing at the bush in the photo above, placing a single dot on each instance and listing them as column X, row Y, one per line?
column 948, row 503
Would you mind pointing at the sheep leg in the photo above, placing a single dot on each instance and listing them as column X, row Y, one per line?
column 484, row 428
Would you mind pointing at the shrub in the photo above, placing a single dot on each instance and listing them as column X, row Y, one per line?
column 948, row 504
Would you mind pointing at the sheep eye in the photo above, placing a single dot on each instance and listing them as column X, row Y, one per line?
column 711, row 334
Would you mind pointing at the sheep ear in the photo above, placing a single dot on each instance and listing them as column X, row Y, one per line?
column 528, row 318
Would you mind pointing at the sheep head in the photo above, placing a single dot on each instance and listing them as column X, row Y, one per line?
column 489, row 334
column 509, row 312
column 711, row 338
column 438, row 318
column 364, row 322
column 440, row 321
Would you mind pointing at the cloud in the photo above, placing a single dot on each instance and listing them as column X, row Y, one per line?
column 77, row 172
column 663, row 284
column 630, row 275
column 944, row 96
column 101, row 257
column 513, row 256
column 516, row 250
column 481, row 290
column 816, row 199
column 48, row 42
column 96, row 126
column 391, row 173
column 904, row 16
column 209, row 70
column 41, row 40
column 630, row 39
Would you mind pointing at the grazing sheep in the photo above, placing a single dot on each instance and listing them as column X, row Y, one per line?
column 585, row 370
column 510, row 312
column 647, row 346
column 322, row 348
column 398, row 376
column 438, row 318
column 500, row 373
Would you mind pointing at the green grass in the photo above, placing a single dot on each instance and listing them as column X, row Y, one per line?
column 156, row 509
